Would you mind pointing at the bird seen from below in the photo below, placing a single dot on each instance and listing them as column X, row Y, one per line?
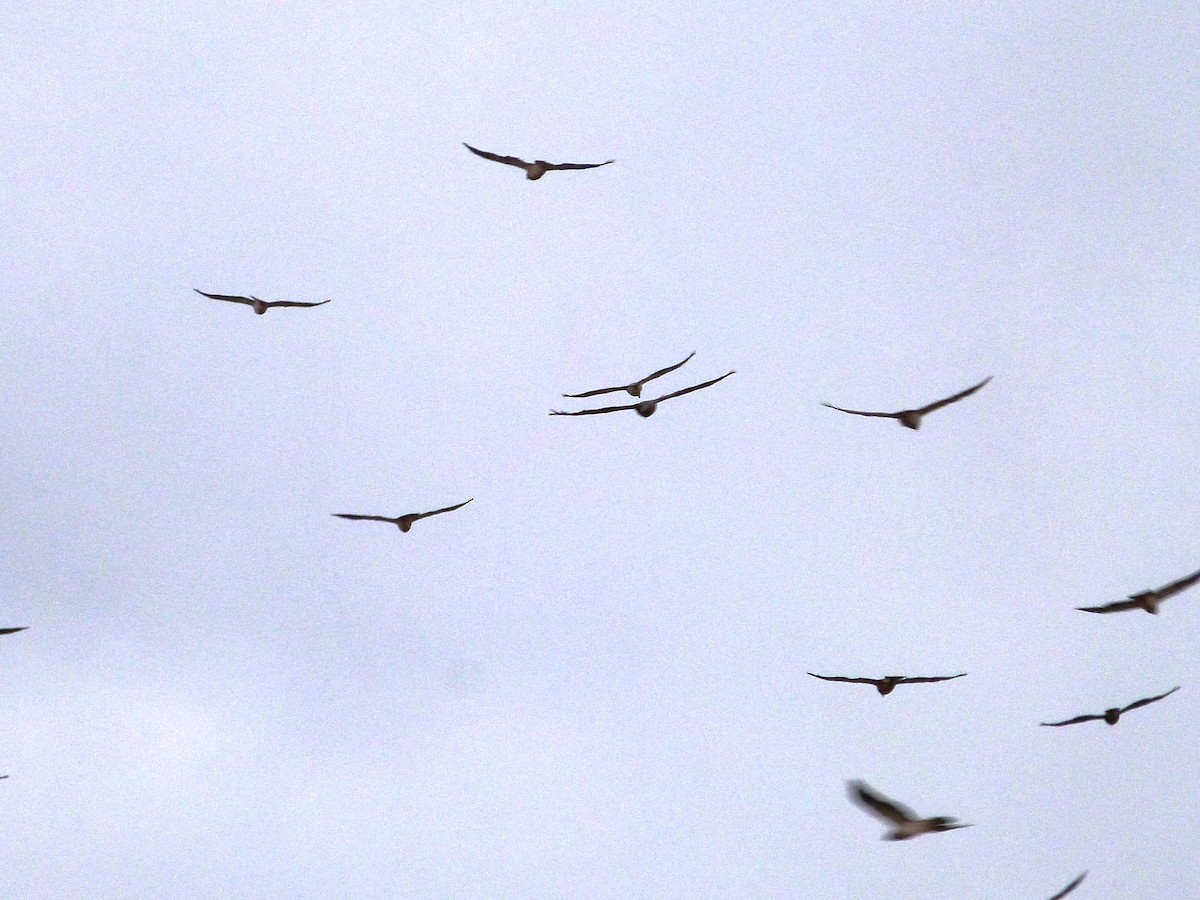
column 1111, row 716
column 1147, row 600
column 908, row 825
column 404, row 523
column 644, row 408
column 633, row 388
column 888, row 683
column 260, row 306
column 536, row 169
column 911, row 418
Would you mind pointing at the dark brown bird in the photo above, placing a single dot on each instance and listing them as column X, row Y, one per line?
column 908, row 825
column 536, row 169
column 645, row 408
column 911, row 418
column 634, row 388
column 887, row 684
column 13, row 630
column 1147, row 600
column 1070, row 887
column 260, row 306
column 404, row 523
column 1111, row 716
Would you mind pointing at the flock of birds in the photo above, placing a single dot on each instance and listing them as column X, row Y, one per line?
column 905, row 824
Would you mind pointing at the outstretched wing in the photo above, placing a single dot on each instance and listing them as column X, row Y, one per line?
column 1073, row 721
column 1112, row 607
column 1173, row 588
column 879, row 804
column 844, row 678
column 357, row 518
column 592, row 412
column 859, row 412
column 232, row 298
column 1147, row 700
column 694, row 387
column 295, row 303
column 624, row 387
column 495, row 157
column 435, row 512
column 954, row 398
column 550, row 166
column 1070, row 887
column 13, row 630
column 931, row 679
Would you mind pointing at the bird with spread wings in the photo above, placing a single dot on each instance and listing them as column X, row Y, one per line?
column 404, row 523
column 1147, row 600
column 634, row 388
column 644, row 408
column 888, row 683
column 908, row 824
column 1113, row 715
column 911, row 418
column 536, row 169
column 260, row 306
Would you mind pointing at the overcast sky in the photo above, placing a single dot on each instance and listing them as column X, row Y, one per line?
column 590, row 682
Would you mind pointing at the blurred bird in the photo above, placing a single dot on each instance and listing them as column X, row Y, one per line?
column 634, row 388
column 887, row 684
column 645, row 408
column 911, row 418
column 1112, row 716
column 1070, row 887
column 906, row 821
column 1147, row 600
column 536, row 169
column 404, row 523
column 260, row 306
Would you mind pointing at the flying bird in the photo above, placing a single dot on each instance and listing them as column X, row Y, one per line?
column 906, row 821
column 887, row 684
column 404, row 523
column 1070, row 887
column 260, row 306
column 1112, row 716
column 536, row 169
column 634, row 388
column 911, row 418
column 645, row 408
column 1147, row 600
column 13, row 630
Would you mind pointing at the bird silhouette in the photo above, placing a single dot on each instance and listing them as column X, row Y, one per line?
column 908, row 825
column 911, row 418
column 888, row 683
column 1070, row 887
column 260, row 306
column 644, row 408
column 536, row 169
column 1113, row 715
column 634, row 388
column 404, row 523
column 1147, row 600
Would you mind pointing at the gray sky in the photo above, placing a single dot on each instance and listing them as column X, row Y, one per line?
column 591, row 682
